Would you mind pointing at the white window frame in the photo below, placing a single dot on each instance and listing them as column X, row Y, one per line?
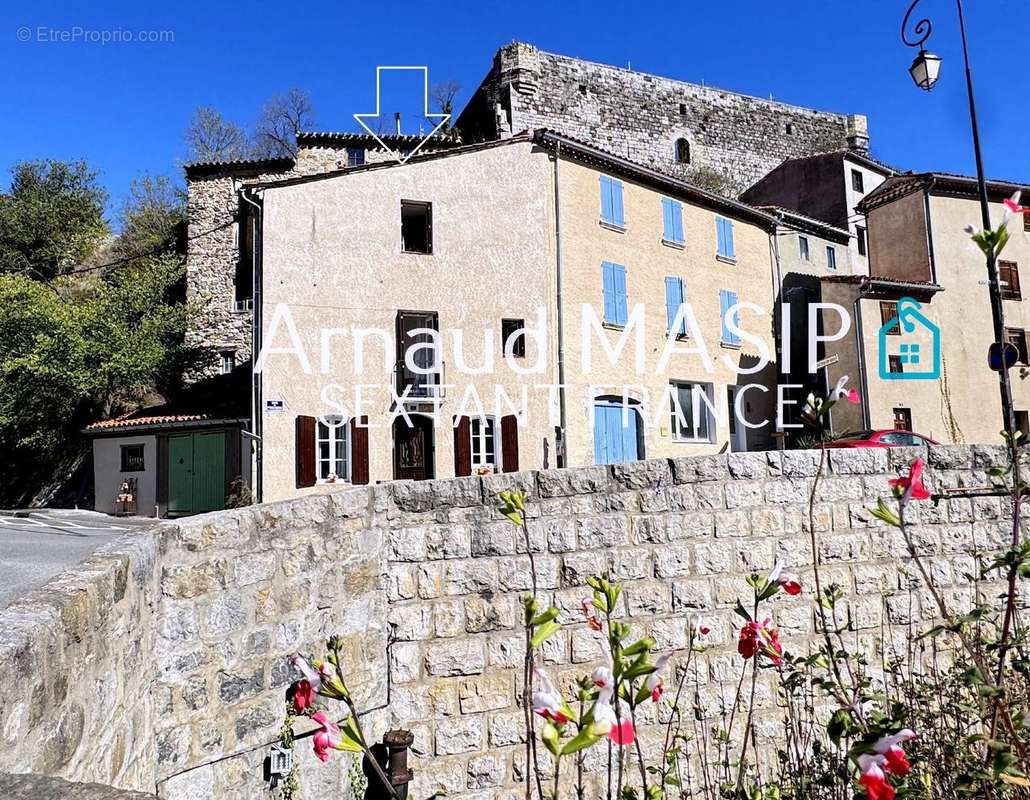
column 332, row 430
column 226, row 358
column 706, row 419
column 478, row 437
column 831, row 257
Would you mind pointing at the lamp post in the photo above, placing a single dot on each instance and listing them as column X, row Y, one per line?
column 925, row 70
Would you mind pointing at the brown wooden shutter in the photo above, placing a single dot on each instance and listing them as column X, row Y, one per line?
column 462, row 447
column 305, row 451
column 359, row 451
column 510, row 443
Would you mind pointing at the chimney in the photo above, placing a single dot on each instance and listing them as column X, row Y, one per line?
column 858, row 133
column 397, row 121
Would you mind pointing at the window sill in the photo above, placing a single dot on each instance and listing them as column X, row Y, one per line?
column 729, row 345
column 674, row 245
column 725, row 259
column 676, row 440
column 415, row 253
column 680, row 337
column 612, row 226
column 337, row 482
column 613, row 326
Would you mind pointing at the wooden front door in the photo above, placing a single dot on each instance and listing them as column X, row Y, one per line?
column 413, row 448
column 196, row 473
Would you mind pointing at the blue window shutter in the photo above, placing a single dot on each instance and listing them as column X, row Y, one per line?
column 720, row 233
column 673, row 301
column 621, row 299
column 677, row 222
column 729, row 239
column 607, row 211
column 617, row 202
column 608, row 288
column 727, row 300
column 668, row 226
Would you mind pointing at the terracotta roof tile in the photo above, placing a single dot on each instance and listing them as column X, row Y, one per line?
column 135, row 422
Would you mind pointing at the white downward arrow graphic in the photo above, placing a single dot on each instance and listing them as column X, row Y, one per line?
column 425, row 106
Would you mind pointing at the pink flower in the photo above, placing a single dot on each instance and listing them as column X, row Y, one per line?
column 546, row 701
column 839, row 392
column 593, row 621
column 621, row 732
column 302, row 695
column 1012, row 204
column 911, row 487
column 326, row 739
column 700, row 628
column 760, row 638
column 313, row 677
column 655, row 681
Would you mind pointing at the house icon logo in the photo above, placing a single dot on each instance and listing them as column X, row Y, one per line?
column 910, row 345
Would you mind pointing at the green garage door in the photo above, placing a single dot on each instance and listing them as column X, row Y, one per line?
column 196, row 473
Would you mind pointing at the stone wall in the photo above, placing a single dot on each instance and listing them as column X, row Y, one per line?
column 423, row 581
column 640, row 116
column 78, row 673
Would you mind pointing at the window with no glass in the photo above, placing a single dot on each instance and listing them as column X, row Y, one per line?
column 857, row 181
column 682, row 151
column 860, row 240
column 132, row 458
column 416, row 227
column 803, row 248
column 513, row 337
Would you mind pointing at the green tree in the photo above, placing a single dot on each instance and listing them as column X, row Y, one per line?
column 51, row 219
column 152, row 218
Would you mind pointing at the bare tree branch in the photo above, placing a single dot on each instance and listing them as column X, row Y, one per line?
column 211, row 137
column 281, row 119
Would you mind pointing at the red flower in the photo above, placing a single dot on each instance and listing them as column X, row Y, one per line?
column 760, row 637
column 911, row 487
column 876, row 786
column 896, row 763
column 791, row 584
column 302, row 695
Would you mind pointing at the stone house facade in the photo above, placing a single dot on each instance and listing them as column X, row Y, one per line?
column 918, row 248
column 690, row 130
column 828, row 187
column 524, row 234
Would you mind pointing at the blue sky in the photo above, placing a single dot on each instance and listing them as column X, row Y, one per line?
column 123, row 106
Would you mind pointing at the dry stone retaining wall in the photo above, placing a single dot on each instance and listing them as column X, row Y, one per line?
column 423, row 582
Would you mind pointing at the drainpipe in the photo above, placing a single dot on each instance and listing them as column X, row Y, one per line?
column 257, row 420
column 562, row 424
column 862, row 374
column 777, row 276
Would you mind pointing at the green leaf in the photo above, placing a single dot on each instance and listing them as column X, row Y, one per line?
column 883, row 512
column 740, row 611
column 551, row 738
column 544, row 632
column 545, row 616
column 582, row 740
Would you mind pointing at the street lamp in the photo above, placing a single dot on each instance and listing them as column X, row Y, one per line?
column 925, row 71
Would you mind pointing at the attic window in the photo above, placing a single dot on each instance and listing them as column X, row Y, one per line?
column 682, row 151
column 416, row 227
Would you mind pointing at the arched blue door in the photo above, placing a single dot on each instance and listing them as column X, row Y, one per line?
column 615, row 442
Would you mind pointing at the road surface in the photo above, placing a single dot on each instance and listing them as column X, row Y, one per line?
column 36, row 545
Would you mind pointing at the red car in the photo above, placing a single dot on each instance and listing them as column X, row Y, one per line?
column 887, row 438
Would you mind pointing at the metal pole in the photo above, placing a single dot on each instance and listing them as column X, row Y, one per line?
column 997, row 308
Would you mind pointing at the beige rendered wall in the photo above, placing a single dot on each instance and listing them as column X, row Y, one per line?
column 332, row 253
column 898, row 239
column 586, row 244
column 789, row 250
column 108, row 475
